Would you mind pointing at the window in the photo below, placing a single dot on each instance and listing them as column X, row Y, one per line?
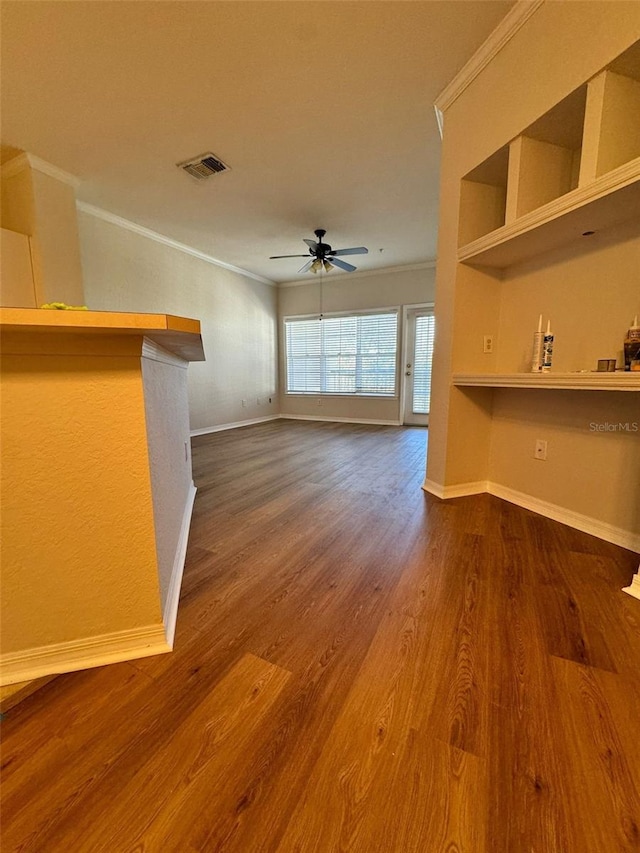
column 342, row 354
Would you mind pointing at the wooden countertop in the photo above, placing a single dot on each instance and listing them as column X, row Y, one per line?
column 179, row 335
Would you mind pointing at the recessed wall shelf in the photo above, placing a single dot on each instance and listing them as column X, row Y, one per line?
column 573, row 172
column 609, row 200
column 619, row 381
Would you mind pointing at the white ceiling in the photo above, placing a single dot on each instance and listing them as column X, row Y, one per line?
column 323, row 111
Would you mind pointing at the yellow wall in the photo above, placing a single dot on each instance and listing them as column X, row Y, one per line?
column 78, row 549
column 590, row 291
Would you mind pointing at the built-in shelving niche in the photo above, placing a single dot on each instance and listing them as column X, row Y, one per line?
column 573, row 171
column 544, row 161
column 483, row 198
column 613, row 116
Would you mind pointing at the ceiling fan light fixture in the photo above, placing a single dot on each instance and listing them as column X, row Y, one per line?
column 323, row 257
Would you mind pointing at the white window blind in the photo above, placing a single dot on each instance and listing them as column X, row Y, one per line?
column 342, row 355
column 425, row 327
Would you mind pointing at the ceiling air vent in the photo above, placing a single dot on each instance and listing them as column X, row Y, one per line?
column 203, row 166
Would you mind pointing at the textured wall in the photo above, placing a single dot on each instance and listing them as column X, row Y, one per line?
column 124, row 271
column 167, row 417
column 78, row 550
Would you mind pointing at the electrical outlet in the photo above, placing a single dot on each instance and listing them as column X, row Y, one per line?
column 319, row 401
column 540, row 450
column 270, row 400
column 488, row 343
column 244, row 403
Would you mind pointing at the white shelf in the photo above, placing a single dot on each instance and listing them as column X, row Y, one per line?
column 619, row 381
column 612, row 198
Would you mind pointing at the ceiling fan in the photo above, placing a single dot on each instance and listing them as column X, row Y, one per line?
column 323, row 256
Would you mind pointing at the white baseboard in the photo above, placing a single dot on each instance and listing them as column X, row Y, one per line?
column 83, row 654
column 634, row 588
column 330, row 419
column 235, row 425
column 170, row 610
column 458, row 491
column 585, row 523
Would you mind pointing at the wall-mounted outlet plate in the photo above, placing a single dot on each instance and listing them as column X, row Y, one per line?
column 488, row 343
column 540, row 450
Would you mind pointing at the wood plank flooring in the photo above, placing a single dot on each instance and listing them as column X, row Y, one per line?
column 358, row 667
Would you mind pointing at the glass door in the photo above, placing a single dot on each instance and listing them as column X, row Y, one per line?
column 419, row 334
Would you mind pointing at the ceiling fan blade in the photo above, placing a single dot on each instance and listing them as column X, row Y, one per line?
column 311, row 244
column 342, row 264
column 307, row 266
column 275, row 257
column 356, row 250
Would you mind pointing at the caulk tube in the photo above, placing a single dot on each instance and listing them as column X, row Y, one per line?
column 632, row 344
column 538, row 344
column 547, row 349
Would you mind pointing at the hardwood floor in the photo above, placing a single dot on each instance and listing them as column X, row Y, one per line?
column 358, row 667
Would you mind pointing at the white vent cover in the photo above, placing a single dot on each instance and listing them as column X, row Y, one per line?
column 203, row 166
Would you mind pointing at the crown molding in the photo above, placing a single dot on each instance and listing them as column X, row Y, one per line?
column 503, row 33
column 423, row 265
column 27, row 160
column 113, row 219
column 439, row 120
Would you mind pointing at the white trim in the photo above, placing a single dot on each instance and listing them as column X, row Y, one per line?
column 634, row 588
column 363, row 312
column 154, row 352
column 83, row 654
column 330, row 419
column 235, row 425
column 590, row 381
column 502, row 35
column 423, row 265
column 22, row 161
column 439, row 120
column 170, row 610
column 459, row 491
column 585, row 523
column 113, row 219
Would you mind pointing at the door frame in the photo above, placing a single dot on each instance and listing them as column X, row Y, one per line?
column 405, row 354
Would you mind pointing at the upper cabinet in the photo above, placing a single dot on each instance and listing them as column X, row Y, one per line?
column 574, row 171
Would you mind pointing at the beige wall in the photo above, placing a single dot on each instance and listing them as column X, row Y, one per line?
column 17, row 289
column 124, row 271
column 55, row 248
column 363, row 292
column 590, row 292
column 44, row 208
